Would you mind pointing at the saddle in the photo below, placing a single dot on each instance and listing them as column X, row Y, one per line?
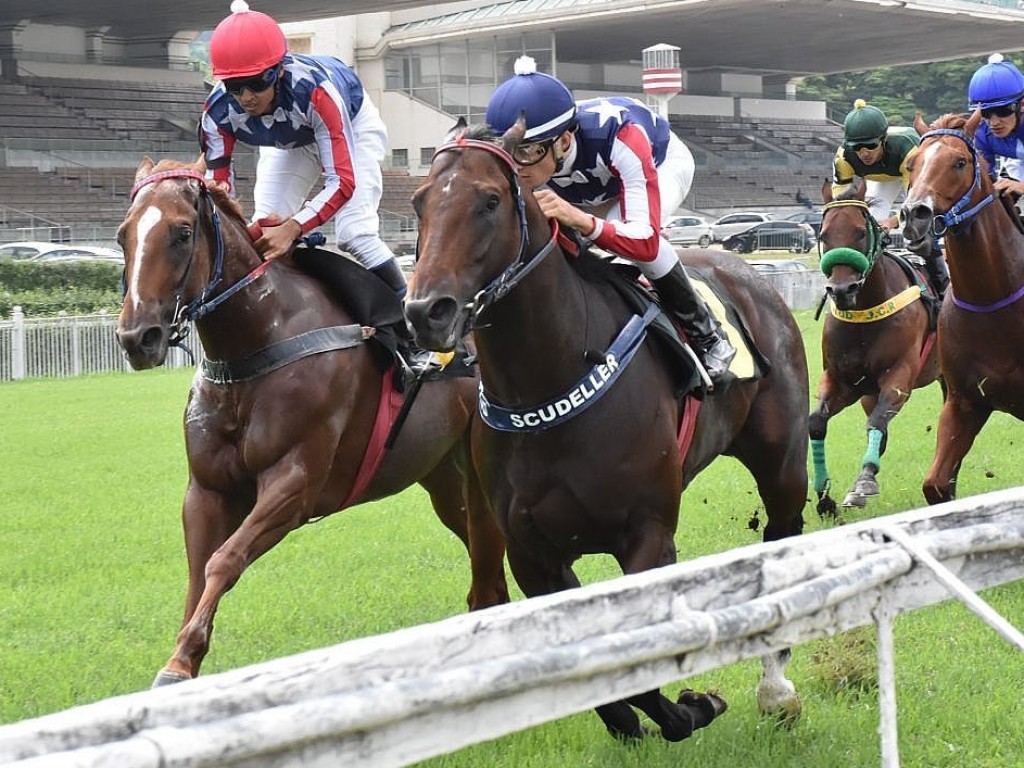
column 624, row 278
column 373, row 303
column 913, row 267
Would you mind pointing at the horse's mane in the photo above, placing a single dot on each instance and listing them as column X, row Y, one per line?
column 479, row 131
column 951, row 120
column 223, row 200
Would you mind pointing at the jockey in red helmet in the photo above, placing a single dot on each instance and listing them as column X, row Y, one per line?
column 314, row 124
column 997, row 89
column 611, row 169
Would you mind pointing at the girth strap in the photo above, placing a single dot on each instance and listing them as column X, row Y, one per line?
column 285, row 352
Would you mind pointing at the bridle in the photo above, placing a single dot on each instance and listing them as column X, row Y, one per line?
column 514, row 274
column 862, row 262
column 957, row 215
column 206, row 301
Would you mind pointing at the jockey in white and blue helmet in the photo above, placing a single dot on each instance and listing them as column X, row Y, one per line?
column 612, row 169
column 315, row 126
column 997, row 88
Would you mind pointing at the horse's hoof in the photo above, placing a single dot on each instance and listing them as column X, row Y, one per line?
column 704, row 706
column 866, row 488
column 854, row 499
column 163, row 677
column 827, row 508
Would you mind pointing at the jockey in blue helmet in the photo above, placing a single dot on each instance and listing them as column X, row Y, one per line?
column 997, row 89
column 611, row 169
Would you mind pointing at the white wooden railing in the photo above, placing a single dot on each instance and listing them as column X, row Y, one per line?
column 68, row 346
column 402, row 697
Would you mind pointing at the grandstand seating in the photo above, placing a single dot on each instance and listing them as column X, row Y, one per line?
column 742, row 162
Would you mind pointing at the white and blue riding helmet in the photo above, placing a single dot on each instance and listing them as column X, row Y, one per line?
column 995, row 84
column 548, row 106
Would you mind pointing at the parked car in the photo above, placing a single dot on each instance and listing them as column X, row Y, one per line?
column 686, row 230
column 775, row 236
column 778, row 265
column 733, row 223
column 82, row 253
column 808, row 217
column 29, row 250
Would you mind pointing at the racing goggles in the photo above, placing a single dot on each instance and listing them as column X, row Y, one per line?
column 866, row 145
column 1006, row 110
column 533, row 152
column 255, row 83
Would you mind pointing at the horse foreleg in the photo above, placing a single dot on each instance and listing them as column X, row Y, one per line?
column 960, row 421
column 776, row 694
column 281, row 508
column 207, row 522
column 831, row 400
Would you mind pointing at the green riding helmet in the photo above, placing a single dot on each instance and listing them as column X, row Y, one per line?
column 864, row 124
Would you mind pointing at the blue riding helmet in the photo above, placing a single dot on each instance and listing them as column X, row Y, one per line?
column 995, row 84
column 549, row 107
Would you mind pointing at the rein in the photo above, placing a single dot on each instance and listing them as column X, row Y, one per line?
column 205, row 302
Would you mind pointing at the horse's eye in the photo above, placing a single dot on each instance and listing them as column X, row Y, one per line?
column 492, row 203
column 185, row 234
column 961, row 162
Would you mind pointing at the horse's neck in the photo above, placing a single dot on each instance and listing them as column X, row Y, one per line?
column 261, row 313
column 530, row 343
column 883, row 281
column 985, row 257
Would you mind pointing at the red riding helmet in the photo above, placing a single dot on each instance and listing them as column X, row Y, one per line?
column 246, row 43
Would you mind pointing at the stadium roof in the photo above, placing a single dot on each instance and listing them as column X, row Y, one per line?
column 784, row 36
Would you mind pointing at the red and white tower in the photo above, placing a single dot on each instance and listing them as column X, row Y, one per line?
column 663, row 77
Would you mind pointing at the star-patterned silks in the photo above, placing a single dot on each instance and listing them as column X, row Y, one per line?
column 606, row 110
column 237, row 120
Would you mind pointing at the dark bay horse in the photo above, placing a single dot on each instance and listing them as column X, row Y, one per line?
column 981, row 325
column 270, row 451
column 608, row 479
column 877, row 343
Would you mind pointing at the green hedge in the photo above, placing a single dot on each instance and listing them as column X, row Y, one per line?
column 45, row 289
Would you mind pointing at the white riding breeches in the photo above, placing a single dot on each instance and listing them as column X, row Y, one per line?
column 285, row 178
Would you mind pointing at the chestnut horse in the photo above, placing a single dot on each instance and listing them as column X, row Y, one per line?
column 271, row 450
column 877, row 343
column 608, row 478
column 981, row 326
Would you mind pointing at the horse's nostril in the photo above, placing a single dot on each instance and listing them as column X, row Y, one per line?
column 441, row 310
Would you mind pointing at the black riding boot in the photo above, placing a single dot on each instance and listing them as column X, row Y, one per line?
column 391, row 274
column 938, row 273
column 679, row 297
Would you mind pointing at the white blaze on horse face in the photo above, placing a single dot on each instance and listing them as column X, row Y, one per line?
column 447, row 188
column 925, row 158
column 149, row 219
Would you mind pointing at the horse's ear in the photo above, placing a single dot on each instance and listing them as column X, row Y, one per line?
column 514, row 135
column 456, row 130
column 973, row 122
column 200, row 164
column 920, row 125
column 145, row 168
column 859, row 188
column 826, row 191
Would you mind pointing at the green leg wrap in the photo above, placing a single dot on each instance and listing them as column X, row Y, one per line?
column 872, row 456
column 820, row 470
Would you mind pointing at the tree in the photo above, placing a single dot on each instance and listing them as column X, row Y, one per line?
column 900, row 92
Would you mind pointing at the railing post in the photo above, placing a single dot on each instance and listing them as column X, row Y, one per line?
column 18, row 344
